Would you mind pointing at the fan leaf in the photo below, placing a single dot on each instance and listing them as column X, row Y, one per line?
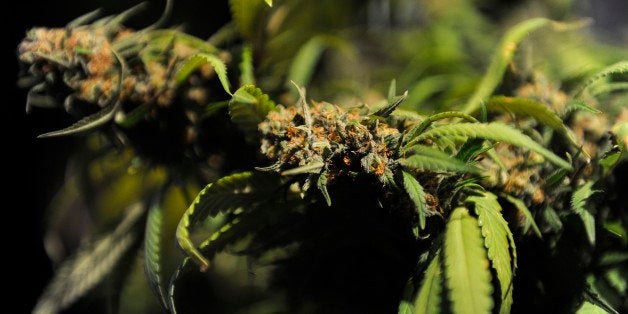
column 427, row 158
column 496, row 234
column 248, row 108
column 466, row 265
column 428, row 299
column 494, row 131
column 417, row 195
column 578, row 201
column 196, row 61
column 241, row 190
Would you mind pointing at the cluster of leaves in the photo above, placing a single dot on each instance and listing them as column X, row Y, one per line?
column 349, row 207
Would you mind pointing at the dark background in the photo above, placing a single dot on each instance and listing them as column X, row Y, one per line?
column 34, row 168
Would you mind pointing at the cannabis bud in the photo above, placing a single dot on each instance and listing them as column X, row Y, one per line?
column 328, row 141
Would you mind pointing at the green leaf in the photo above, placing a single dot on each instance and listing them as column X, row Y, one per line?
column 153, row 242
column 428, row 299
column 619, row 67
column 306, row 59
column 88, row 123
column 417, row 195
column 248, row 108
column 427, row 158
column 246, row 66
column 241, row 190
column 496, row 234
column 93, row 263
column 579, row 105
column 321, row 183
column 269, row 2
column 530, row 108
column 590, row 308
column 466, row 265
column 419, row 128
column 505, row 54
column 313, row 167
column 247, row 15
column 578, row 201
column 198, row 60
column 391, row 106
column 529, row 221
column 494, row 131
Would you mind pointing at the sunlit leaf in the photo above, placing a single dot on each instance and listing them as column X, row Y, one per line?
column 248, row 108
column 428, row 299
column 496, row 232
column 466, row 265
column 199, row 60
column 494, row 131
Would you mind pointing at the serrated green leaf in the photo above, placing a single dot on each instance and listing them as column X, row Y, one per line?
column 248, row 108
column 467, row 275
column 153, row 242
column 428, row 299
column 579, row 105
column 578, row 201
column 88, row 123
column 93, row 263
column 427, row 158
column 246, row 66
column 196, row 61
column 504, row 55
column 529, row 221
column 530, row 108
column 417, row 195
column 241, row 190
column 496, row 233
column 419, row 128
column 494, row 131
column 619, row 67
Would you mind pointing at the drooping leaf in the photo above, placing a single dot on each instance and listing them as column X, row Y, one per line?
column 496, row 233
column 198, row 60
column 466, row 265
column 248, row 108
column 504, row 55
column 427, row 158
column 239, row 190
column 88, row 123
column 153, row 242
column 530, row 108
column 494, row 131
column 417, row 195
column 619, row 67
column 428, row 299
column 92, row 264
column 529, row 220
column 578, row 201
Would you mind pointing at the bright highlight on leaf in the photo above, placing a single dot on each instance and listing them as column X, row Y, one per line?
column 199, row 60
column 466, row 265
column 428, row 299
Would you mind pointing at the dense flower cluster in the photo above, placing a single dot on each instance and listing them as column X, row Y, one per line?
column 344, row 141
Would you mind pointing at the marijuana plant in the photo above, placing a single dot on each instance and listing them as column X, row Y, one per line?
column 467, row 193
